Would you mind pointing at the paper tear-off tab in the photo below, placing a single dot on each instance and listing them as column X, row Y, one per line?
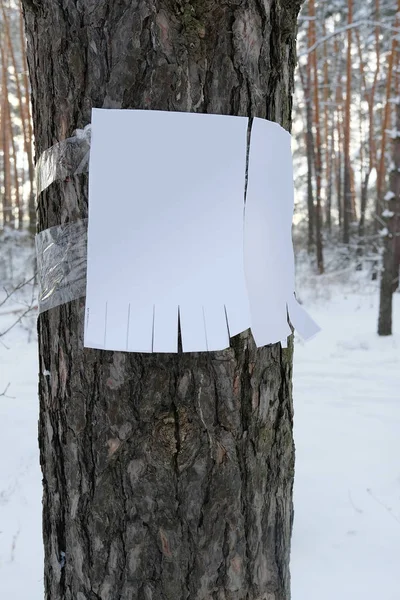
column 269, row 258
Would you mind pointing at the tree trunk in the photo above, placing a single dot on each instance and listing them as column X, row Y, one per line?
column 363, row 209
column 28, row 129
column 330, row 174
column 10, row 48
column 328, row 140
column 381, row 174
column 318, row 142
column 390, row 274
column 347, row 207
column 5, row 124
column 309, row 142
column 166, row 477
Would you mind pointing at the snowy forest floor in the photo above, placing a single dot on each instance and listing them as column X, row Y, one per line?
column 346, row 541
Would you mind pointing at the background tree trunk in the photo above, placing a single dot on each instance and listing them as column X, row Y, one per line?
column 347, row 196
column 305, row 78
column 166, row 477
column 318, row 142
column 391, row 214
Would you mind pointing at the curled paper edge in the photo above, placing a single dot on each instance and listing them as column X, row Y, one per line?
column 305, row 326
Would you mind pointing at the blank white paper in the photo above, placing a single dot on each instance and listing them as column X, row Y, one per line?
column 165, row 235
column 268, row 248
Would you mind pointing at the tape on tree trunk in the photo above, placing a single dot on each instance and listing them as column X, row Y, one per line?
column 62, row 264
column 65, row 159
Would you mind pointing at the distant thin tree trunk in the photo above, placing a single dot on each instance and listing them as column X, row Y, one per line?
column 381, row 175
column 396, row 223
column 347, row 208
column 353, row 195
column 5, row 137
column 365, row 170
column 361, row 118
column 15, row 174
column 339, row 128
column 370, row 98
column 309, row 139
column 18, row 202
column 330, row 174
column 310, row 170
column 363, row 205
column 371, row 105
column 389, row 278
column 328, row 156
column 2, row 165
column 27, row 118
column 339, row 186
column 318, row 141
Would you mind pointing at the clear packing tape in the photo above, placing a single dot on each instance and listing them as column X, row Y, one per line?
column 65, row 159
column 62, row 250
column 61, row 264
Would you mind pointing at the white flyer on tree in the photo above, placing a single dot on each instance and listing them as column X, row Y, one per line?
column 169, row 239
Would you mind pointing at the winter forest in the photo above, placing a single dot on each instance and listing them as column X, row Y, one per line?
column 345, row 542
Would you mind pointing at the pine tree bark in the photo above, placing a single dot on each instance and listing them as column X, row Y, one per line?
column 166, row 477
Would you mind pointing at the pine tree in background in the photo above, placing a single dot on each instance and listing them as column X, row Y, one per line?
column 351, row 45
column 391, row 202
column 17, row 194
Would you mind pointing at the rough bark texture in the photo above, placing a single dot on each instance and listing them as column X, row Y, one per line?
column 166, row 477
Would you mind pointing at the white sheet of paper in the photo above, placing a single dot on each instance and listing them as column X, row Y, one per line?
column 269, row 259
column 166, row 196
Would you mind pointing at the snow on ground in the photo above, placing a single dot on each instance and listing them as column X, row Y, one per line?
column 346, row 542
column 21, row 554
